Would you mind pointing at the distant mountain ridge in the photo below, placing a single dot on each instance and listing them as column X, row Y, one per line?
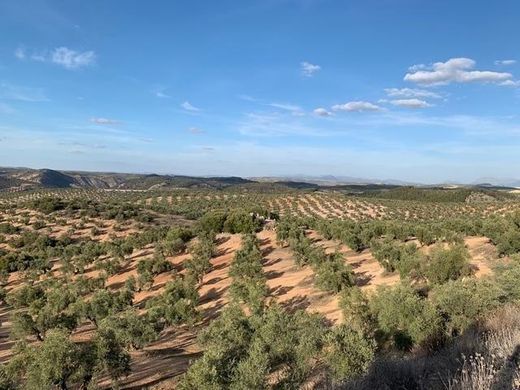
column 27, row 178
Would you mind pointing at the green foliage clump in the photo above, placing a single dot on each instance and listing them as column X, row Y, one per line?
column 241, row 351
column 444, row 264
column 241, row 221
column 348, row 353
column 248, row 277
column 200, row 261
column 356, row 311
column 393, row 255
column 47, row 205
column 404, row 316
column 333, row 274
column 177, row 303
column 147, row 269
column 462, row 302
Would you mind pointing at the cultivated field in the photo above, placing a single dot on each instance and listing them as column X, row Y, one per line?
column 130, row 289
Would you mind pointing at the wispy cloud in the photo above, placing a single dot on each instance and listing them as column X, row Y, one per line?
column 6, row 109
column 104, row 121
column 505, row 62
column 292, row 108
column 411, row 93
column 276, row 125
column 72, row 59
column 26, row 94
column 308, row 69
column 455, row 70
column 62, row 56
column 196, row 130
column 189, row 107
column 160, row 92
column 19, row 53
column 247, row 98
column 356, row 106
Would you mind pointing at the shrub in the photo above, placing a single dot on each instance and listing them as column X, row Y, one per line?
column 347, row 352
column 462, row 302
column 177, row 304
column 390, row 253
column 356, row 311
column 212, row 222
column 404, row 316
column 333, row 274
column 446, row 264
column 240, row 221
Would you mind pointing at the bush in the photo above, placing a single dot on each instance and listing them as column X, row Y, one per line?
column 7, row 228
column 356, row 311
column 507, row 279
column 347, row 352
column 148, row 269
column 212, row 222
column 390, row 254
column 446, row 264
column 333, row 274
column 240, row 221
column 462, row 302
column 177, row 304
column 404, row 316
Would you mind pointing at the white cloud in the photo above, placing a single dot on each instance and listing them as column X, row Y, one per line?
column 104, row 121
column 411, row 93
column 160, row 92
column 20, row 53
column 196, row 130
column 320, row 111
column 189, row 107
column 510, row 83
column 24, row 94
column 309, row 69
column 356, row 106
column 71, row 59
column 410, row 103
column 162, row 95
column 68, row 58
column 286, row 106
column 455, row 70
column 505, row 62
column 415, row 68
column 292, row 108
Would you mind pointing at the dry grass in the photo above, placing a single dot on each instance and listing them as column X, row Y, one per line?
column 486, row 357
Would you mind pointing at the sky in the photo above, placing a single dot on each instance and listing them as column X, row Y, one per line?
column 416, row 90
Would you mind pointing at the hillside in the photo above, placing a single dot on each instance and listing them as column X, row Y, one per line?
column 24, row 178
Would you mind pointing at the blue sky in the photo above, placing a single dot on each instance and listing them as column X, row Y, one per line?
column 425, row 91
